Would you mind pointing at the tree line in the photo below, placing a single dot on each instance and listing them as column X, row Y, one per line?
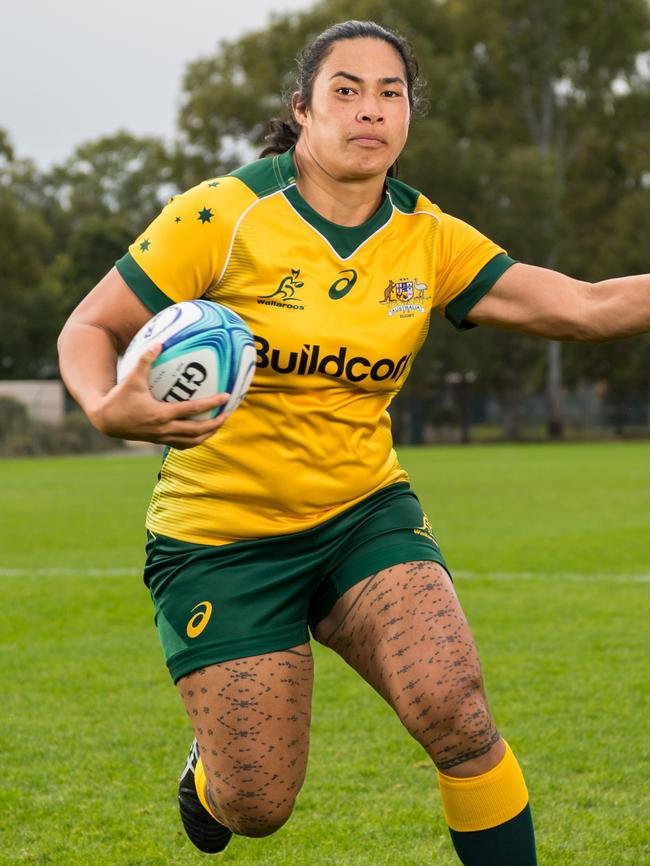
column 538, row 133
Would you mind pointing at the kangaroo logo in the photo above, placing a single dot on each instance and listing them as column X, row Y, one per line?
column 388, row 293
column 426, row 530
column 286, row 291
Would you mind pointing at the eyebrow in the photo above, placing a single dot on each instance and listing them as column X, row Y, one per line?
column 392, row 80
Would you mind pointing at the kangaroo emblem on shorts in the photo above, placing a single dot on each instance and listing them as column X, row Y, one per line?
column 426, row 530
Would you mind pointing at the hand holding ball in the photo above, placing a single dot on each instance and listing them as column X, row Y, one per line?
column 207, row 349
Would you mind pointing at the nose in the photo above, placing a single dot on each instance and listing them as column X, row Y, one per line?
column 370, row 114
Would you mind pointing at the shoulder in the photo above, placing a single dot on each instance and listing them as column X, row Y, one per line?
column 410, row 201
column 268, row 175
column 230, row 195
column 218, row 196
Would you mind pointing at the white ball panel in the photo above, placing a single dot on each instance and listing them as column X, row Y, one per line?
column 163, row 326
column 244, row 377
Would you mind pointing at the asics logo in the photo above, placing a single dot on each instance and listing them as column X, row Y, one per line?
column 342, row 286
column 200, row 619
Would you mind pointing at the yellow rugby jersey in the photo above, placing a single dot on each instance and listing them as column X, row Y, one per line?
column 338, row 315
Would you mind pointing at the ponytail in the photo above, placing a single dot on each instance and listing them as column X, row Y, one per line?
column 282, row 136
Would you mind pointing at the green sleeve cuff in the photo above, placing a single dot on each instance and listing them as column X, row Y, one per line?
column 142, row 285
column 458, row 309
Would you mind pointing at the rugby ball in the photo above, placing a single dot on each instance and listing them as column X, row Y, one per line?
column 207, row 349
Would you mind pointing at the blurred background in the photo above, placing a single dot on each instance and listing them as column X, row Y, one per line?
column 538, row 133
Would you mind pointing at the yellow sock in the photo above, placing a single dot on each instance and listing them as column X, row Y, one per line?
column 199, row 784
column 485, row 801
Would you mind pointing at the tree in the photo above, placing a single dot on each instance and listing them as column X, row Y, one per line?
column 555, row 70
column 28, row 312
column 6, row 150
column 118, row 175
column 60, row 231
column 107, row 192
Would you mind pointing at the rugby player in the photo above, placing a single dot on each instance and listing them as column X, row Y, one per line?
column 295, row 516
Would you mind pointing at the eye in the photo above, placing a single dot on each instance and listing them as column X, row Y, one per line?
column 391, row 93
column 344, row 91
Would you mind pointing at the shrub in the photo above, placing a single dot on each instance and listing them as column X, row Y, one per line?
column 22, row 436
column 13, row 417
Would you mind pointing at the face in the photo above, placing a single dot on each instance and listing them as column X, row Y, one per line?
column 357, row 123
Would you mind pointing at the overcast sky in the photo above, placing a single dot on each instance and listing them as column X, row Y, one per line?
column 72, row 70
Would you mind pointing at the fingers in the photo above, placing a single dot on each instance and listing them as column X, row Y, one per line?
column 130, row 411
column 184, row 434
column 142, row 368
column 184, row 444
column 182, row 409
column 205, row 427
column 188, row 408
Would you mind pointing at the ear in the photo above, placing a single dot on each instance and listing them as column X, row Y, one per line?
column 299, row 109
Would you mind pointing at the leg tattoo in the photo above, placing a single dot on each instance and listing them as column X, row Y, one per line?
column 406, row 634
column 251, row 719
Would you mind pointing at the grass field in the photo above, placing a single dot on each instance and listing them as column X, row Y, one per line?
column 550, row 547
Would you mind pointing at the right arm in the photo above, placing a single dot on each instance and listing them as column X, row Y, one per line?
column 99, row 330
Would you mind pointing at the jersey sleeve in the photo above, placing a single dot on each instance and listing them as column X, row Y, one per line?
column 468, row 264
column 183, row 252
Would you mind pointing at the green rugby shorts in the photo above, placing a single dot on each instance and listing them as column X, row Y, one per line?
column 217, row 603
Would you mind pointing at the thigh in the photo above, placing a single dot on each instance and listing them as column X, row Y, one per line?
column 251, row 719
column 404, row 631
column 238, row 600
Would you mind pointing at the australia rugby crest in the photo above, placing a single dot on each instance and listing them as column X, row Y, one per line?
column 405, row 297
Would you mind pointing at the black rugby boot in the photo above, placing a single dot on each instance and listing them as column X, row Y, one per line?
column 202, row 829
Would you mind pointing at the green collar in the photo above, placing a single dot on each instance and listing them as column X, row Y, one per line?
column 344, row 239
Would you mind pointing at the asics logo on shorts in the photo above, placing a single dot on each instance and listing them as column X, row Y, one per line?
column 200, row 619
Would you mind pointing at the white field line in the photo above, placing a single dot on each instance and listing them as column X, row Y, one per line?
column 564, row 576
column 65, row 571
column 572, row 577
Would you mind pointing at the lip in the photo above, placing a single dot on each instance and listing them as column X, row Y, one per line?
column 368, row 140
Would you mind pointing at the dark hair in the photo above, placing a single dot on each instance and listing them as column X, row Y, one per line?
column 283, row 134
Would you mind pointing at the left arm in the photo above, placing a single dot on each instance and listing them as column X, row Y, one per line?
column 538, row 301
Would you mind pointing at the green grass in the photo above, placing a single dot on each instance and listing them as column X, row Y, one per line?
column 551, row 551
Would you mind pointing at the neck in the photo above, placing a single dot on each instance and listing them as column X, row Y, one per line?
column 347, row 202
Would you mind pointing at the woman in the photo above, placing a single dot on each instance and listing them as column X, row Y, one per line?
column 296, row 511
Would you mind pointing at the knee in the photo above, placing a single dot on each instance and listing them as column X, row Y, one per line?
column 456, row 725
column 258, row 823
column 253, row 814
